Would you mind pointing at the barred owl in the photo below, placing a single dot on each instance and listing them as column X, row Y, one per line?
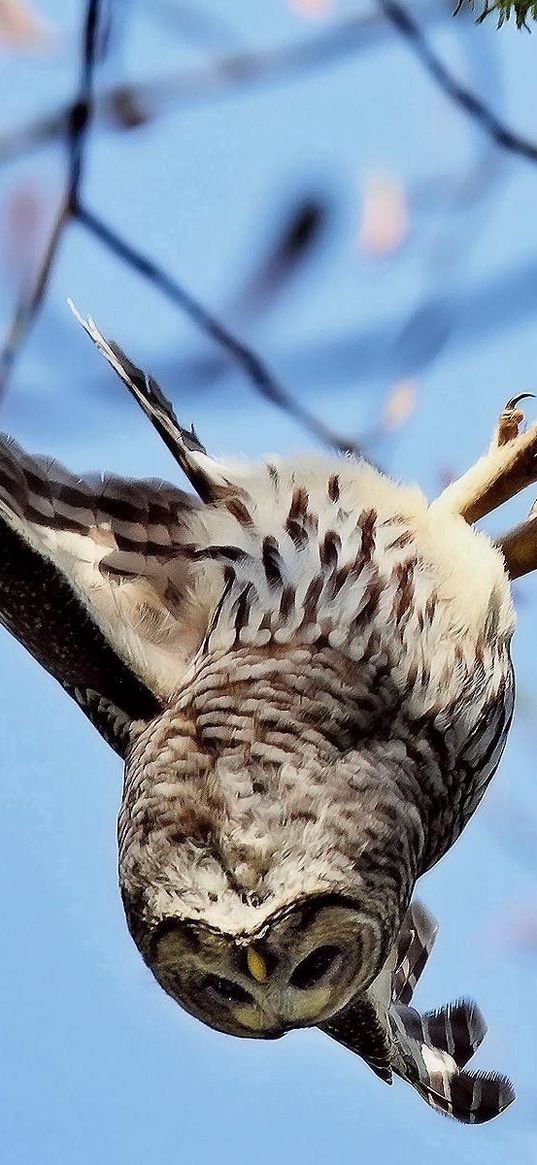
column 306, row 672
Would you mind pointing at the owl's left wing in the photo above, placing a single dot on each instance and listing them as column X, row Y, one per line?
column 429, row 1051
column 93, row 584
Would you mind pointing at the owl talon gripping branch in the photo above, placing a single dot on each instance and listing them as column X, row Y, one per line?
column 306, row 671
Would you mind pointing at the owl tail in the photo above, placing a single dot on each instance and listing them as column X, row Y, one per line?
column 431, row 1051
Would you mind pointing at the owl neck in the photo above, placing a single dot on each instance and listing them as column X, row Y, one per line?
column 262, row 775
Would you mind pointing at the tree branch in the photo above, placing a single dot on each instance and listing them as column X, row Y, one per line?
column 254, row 368
column 127, row 106
column 77, row 128
column 501, row 134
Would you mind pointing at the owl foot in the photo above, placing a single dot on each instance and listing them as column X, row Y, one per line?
column 509, row 421
column 509, row 465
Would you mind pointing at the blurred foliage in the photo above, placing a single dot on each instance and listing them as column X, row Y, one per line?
column 505, row 9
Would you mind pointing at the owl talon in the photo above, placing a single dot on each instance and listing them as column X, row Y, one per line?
column 508, row 467
column 510, row 420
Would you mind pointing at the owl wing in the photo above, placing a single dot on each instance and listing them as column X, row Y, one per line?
column 429, row 1051
column 360, row 1027
column 94, row 584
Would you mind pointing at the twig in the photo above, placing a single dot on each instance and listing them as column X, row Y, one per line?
column 27, row 308
column 263, row 380
column 72, row 208
column 199, row 25
column 126, row 106
column 77, row 127
column 519, row 547
column 496, row 129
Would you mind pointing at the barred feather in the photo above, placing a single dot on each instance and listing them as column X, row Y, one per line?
column 414, row 945
column 458, row 1028
column 428, row 1051
column 308, row 673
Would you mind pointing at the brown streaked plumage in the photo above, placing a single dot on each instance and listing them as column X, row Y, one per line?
column 306, row 671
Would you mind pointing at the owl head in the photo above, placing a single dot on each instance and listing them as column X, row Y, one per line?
column 296, row 968
column 262, row 898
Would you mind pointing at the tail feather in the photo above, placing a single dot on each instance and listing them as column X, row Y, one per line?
column 430, row 1053
column 414, row 945
column 457, row 1028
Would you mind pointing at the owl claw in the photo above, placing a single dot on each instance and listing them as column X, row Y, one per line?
column 508, row 467
column 512, row 403
column 510, row 420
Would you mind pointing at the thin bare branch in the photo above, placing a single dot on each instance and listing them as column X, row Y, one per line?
column 264, row 382
column 77, row 127
column 501, row 134
column 127, row 106
column 28, row 307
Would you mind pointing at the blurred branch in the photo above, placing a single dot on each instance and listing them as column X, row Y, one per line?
column 263, row 380
column 77, row 128
column 199, row 26
column 71, row 208
column 129, row 106
column 464, row 98
column 368, row 357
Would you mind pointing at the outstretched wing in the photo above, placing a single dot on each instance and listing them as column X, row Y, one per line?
column 362, row 1026
column 431, row 1051
column 93, row 582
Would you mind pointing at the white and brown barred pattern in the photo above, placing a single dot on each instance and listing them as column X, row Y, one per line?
column 430, row 1051
column 306, row 613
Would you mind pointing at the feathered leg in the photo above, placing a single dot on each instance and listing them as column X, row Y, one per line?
column 519, row 546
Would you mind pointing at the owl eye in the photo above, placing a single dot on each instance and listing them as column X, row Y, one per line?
column 313, row 967
column 227, row 989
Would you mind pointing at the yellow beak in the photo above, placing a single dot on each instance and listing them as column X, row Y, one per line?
column 256, row 965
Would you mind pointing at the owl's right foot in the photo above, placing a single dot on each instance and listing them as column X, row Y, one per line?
column 509, row 465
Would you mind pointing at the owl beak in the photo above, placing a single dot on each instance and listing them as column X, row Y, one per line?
column 256, row 965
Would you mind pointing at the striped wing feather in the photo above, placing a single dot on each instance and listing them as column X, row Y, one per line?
column 429, row 1051
column 93, row 583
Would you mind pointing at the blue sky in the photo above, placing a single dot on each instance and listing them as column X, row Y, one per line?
column 96, row 1064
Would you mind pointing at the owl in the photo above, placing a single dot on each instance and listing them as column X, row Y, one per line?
column 305, row 669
